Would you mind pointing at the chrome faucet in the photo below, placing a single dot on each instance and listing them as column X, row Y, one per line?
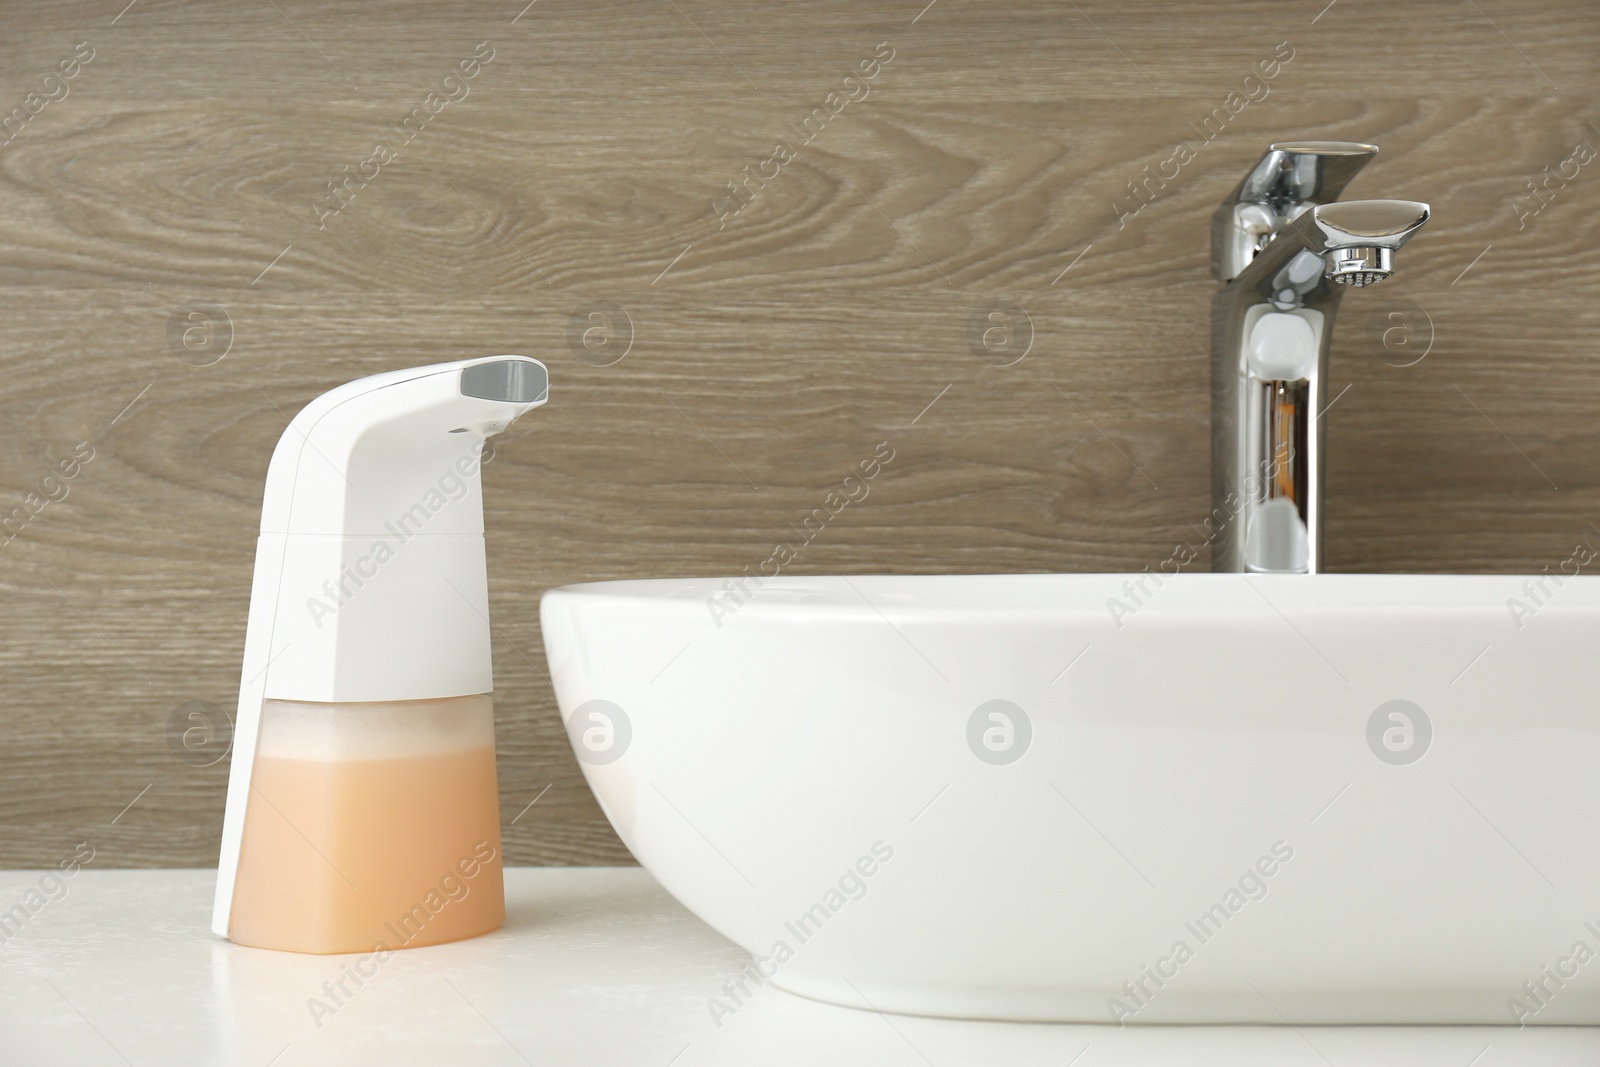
column 1279, row 242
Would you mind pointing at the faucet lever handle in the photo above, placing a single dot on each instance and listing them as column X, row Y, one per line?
column 1291, row 176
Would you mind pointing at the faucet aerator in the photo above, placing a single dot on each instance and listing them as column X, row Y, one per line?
column 1359, row 267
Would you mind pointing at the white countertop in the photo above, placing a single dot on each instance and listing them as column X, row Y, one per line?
column 593, row 966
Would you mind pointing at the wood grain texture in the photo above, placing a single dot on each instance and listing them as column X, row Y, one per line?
column 769, row 351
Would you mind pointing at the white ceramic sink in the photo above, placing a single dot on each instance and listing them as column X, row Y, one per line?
column 1070, row 797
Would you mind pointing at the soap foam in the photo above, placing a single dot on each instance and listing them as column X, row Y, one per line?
column 398, row 729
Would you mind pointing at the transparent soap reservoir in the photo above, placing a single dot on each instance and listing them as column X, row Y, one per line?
column 370, row 826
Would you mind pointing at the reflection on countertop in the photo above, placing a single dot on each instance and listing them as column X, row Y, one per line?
column 593, row 966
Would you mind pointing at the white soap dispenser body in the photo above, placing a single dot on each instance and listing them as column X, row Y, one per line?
column 362, row 811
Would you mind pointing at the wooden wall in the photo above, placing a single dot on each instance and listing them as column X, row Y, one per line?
column 179, row 169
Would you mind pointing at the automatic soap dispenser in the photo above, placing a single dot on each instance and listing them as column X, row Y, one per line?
column 362, row 809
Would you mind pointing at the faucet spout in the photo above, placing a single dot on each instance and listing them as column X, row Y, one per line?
column 1271, row 327
column 1363, row 234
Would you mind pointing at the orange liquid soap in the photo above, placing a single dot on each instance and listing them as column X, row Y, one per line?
column 371, row 826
